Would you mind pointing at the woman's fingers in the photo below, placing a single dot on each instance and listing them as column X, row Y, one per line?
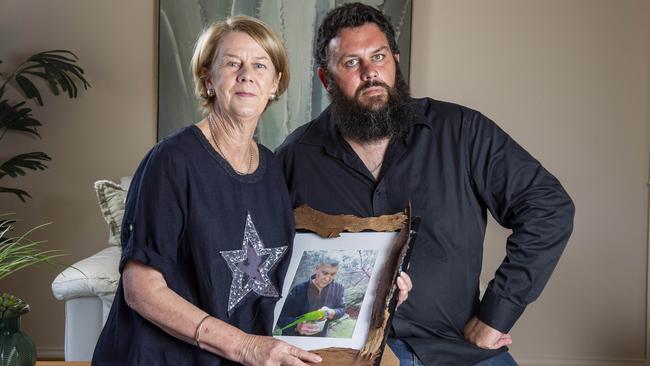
column 300, row 355
column 268, row 351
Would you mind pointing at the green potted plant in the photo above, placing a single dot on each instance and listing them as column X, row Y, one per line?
column 57, row 69
column 16, row 253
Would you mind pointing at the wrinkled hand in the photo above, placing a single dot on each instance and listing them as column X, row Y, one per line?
column 308, row 328
column 329, row 313
column 485, row 336
column 268, row 351
column 404, row 285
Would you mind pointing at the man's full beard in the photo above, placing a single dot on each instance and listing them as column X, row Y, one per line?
column 365, row 124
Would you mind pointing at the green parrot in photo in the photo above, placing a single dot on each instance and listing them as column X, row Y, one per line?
column 311, row 316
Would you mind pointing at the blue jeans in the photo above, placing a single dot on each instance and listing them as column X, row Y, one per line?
column 404, row 352
column 408, row 358
column 502, row 359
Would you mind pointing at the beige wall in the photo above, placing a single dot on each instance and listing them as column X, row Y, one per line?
column 569, row 80
column 101, row 135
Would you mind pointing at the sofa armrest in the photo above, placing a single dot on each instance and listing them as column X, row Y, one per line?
column 97, row 275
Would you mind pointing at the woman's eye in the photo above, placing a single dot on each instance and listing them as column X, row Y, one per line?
column 260, row 66
column 378, row 57
column 351, row 63
column 232, row 64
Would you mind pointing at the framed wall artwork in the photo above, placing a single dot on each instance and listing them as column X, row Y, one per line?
column 296, row 21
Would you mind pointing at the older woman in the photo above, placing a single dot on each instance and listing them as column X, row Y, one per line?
column 208, row 222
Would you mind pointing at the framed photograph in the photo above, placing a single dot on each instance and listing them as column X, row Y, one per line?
column 339, row 293
column 329, row 290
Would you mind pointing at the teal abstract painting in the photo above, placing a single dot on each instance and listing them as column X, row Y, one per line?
column 296, row 21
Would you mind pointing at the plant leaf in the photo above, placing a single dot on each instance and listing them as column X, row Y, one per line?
column 29, row 89
column 18, row 118
column 44, row 76
column 20, row 252
column 58, row 68
column 16, row 166
column 22, row 195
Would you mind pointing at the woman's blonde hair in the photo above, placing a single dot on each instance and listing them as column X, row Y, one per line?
column 207, row 47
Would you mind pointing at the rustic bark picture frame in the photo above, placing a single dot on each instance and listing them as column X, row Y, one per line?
column 390, row 237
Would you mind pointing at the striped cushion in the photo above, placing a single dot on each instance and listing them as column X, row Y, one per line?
column 111, row 198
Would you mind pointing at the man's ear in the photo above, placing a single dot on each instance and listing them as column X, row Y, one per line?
column 322, row 75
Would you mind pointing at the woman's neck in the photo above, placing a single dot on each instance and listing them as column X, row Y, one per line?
column 233, row 140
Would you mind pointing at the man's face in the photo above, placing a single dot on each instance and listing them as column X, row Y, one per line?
column 360, row 62
column 325, row 274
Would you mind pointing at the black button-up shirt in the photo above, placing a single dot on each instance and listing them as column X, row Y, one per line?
column 454, row 165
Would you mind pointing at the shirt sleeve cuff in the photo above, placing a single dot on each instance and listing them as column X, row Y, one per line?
column 499, row 313
column 148, row 257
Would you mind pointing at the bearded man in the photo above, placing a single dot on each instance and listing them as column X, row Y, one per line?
column 375, row 148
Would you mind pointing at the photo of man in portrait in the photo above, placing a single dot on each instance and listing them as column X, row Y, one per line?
column 314, row 304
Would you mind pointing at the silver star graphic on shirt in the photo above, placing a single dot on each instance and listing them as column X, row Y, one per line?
column 250, row 266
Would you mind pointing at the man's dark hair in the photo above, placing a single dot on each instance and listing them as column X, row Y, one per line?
column 350, row 16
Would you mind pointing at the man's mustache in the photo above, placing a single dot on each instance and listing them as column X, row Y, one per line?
column 368, row 84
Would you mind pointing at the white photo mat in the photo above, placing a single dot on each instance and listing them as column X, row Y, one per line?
column 380, row 242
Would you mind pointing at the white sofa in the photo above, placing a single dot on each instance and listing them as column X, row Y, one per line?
column 88, row 290
column 88, row 286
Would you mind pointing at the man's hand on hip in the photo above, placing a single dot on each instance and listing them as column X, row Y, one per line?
column 485, row 336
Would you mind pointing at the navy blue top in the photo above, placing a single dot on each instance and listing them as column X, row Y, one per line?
column 187, row 211
column 454, row 166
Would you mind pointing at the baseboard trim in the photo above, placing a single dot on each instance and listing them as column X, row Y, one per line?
column 58, row 353
column 577, row 362
column 50, row 353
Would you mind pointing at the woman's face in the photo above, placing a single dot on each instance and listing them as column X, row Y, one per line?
column 242, row 76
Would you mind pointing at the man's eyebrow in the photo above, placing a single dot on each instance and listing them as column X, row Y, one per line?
column 382, row 48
